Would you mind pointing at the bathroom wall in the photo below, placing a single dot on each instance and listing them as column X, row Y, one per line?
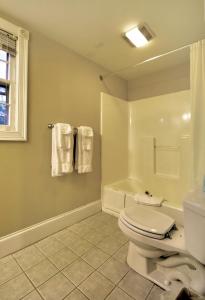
column 158, row 83
column 159, row 144
column 114, row 131
column 63, row 87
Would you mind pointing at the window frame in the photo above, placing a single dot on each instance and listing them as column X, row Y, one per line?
column 17, row 130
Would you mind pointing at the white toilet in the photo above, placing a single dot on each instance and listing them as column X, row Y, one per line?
column 165, row 253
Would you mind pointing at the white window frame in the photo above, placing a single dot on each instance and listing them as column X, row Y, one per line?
column 17, row 130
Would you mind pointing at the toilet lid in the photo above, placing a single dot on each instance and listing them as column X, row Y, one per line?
column 147, row 219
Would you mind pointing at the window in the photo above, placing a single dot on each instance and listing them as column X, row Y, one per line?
column 5, row 62
column 13, row 81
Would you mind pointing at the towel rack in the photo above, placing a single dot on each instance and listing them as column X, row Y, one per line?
column 75, row 130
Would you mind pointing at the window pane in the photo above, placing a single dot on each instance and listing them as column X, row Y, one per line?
column 3, row 55
column 4, row 65
column 3, row 90
column 3, row 70
column 2, row 99
column 4, row 107
column 4, row 113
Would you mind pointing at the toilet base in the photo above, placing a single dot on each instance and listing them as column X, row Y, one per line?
column 148, row 268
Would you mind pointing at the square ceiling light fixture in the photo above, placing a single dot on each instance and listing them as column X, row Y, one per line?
column 139, row 36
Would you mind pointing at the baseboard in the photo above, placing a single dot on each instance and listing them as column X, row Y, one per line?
column 27, row 236
column 110, row 211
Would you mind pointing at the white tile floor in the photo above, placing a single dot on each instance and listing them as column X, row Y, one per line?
column 84, row 261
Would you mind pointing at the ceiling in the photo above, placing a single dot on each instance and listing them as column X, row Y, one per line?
column 93, row 29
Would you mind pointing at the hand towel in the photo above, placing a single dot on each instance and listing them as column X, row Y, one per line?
column 84, row 149
column 148, row 200
column 143, row 199
column 62, row 149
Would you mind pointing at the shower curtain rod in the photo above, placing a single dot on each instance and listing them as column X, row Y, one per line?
column 142, row 62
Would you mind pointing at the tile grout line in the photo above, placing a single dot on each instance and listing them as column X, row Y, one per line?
column 48, row 257
column 122, row 289
column 1, row 284
column 73, row 291
column 32, row 265
column 149, row 292
column 126, row 293
column 59, row 271
column 22, row 270
column 102, row 276
column 36, row 287
column 30, row 293
column 26, row 277
column 94, row 270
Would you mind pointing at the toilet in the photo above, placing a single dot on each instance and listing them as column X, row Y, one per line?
column 170, row 255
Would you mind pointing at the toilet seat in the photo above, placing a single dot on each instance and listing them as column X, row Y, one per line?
column 147, row 221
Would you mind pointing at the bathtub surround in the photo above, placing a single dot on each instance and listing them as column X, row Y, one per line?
column 159, row 146
column 114, row 131
column 113, row 199
column 63, row 87
column 120, row 195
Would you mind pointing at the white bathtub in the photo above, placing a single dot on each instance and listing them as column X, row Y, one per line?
column 114, row 199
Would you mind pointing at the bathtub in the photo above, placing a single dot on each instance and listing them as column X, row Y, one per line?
column 115, row 197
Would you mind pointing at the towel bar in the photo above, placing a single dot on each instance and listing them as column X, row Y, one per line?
column 75, row 130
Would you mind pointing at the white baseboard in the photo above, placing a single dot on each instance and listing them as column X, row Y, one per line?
column 110, row 211
column 27, row 236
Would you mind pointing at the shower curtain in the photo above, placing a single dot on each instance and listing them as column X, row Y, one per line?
column 197, row 76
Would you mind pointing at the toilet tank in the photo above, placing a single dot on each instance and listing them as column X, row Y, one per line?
column 194, row 225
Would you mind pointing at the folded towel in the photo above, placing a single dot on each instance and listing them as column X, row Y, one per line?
column 143, row 199
column 148, row 200
column 84, row 149
column 62, row 149
column 63, row 130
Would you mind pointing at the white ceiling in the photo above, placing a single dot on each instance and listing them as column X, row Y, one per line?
column 93, row 28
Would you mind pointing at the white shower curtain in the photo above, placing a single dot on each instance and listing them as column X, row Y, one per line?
column 197, row 76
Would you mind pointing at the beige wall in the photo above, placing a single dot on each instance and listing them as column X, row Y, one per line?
column 63, row 87
column 114, row 142
column 167, row 81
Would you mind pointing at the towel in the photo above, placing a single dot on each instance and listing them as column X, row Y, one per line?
column 143, row 199
column 62, row 149
column 148, row 200
column 84, row 149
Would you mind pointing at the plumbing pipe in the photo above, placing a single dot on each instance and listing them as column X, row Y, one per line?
column 197, row 282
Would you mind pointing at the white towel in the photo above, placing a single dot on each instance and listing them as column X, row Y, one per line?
column 148, row 200
column 84, row 149
column 143, row 199
column 62, row 149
